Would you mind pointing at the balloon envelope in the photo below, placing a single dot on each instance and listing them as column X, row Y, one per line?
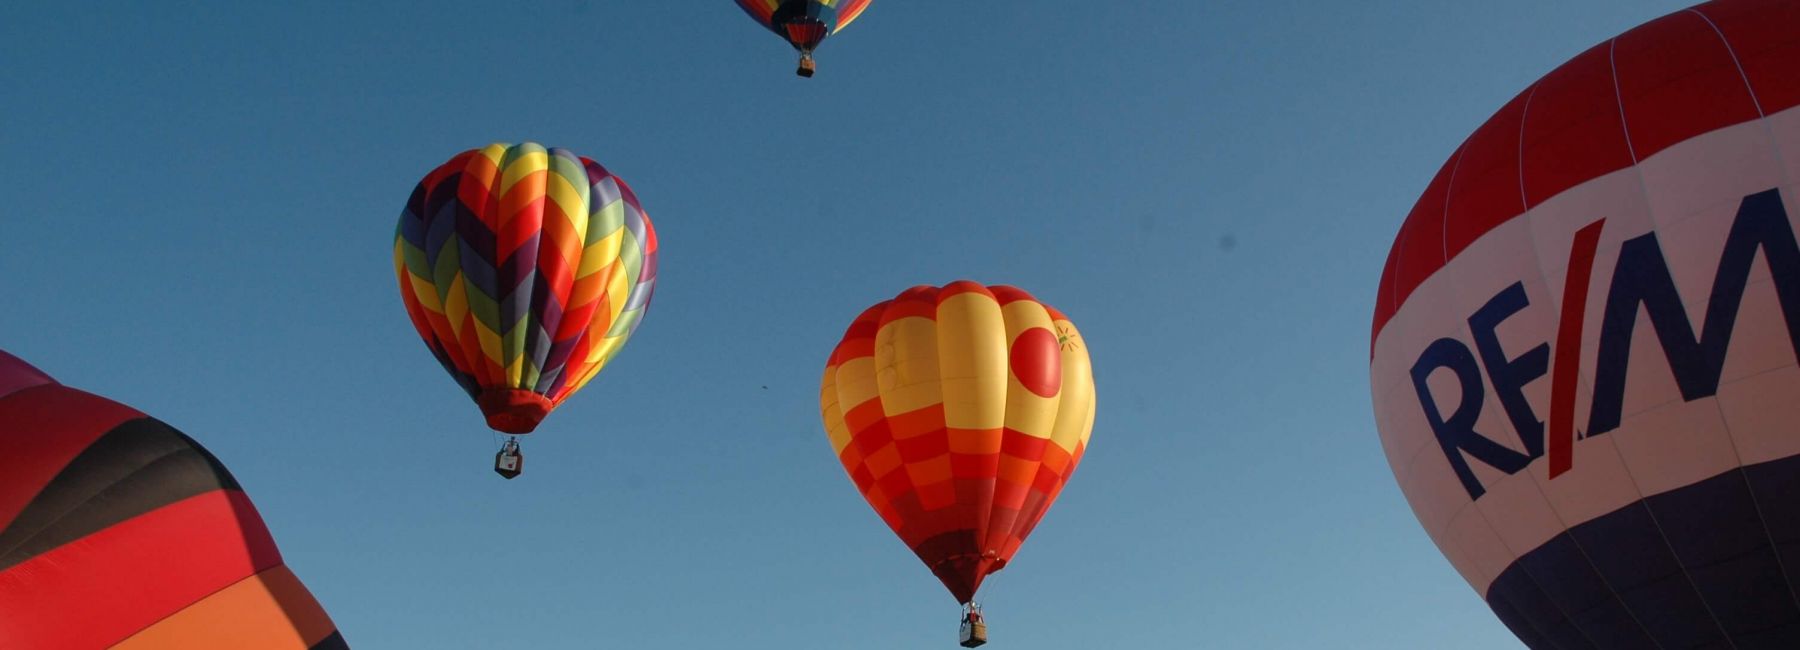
column 1584, row 361
column 118, row 531
column 525, row 270
column 804, row 23
column 959, row 413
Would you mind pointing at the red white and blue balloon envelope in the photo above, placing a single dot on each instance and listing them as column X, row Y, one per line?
column 117, row 531
column 1584, row 361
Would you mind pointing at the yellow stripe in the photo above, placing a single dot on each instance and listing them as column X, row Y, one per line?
column 420, row 287
column 572, row 201
column 1075, row 419
column 515, row 371
column 456, row 306
column 490, row 343
column 1026, row 412
column 832, row 412
column 495, row 153
column 972, row 353
column 1087, row 430
column 605, row 346
column 602, row 254
column 855, row 383
column 426, row 294
column 528, row 159
column 616, row 293
column 906, row 365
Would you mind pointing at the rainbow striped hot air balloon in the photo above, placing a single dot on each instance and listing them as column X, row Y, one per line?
column 525, row 270
column 804, row 23
column 117, row 531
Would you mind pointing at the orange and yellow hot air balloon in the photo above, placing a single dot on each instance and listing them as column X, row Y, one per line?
column 960, row 412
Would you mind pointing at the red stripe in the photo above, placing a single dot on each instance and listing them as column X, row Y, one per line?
column 558, row 252
column 964, row 286
column 1568, row 348
column 1006, row 295
column 920, row 302
column 16, row 375
column 1765, row 43
column 1572, row 129
column 95, row 591
column 850, row 11
column 805, row 35
column 859, row 338
column 1419, row 247
column 1485, row 190
column 1677, row 79
column 524, row 223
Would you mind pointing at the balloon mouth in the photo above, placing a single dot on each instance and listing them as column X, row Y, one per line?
column 513, row 410
column 963, row 574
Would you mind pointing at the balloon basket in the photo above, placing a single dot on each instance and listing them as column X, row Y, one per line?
column 806, row 66
column 974, row 634
column 509, row 462
column 974, row 628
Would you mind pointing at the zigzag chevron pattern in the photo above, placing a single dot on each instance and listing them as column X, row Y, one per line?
column 524, row 269
column 804, row 23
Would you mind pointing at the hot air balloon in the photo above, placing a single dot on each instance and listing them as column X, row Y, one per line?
column 525, row 270
column 117, row 531
column 1584, row 362
column 959, row 413
column 804, row 23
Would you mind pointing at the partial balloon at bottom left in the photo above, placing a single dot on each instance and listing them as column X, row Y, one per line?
column 117, row 531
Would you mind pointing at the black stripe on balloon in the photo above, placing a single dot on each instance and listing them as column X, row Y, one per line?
column 333, row 642
column 138, row 466
column 1710, row 565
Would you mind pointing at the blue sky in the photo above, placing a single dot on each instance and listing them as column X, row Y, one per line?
column 201, row 202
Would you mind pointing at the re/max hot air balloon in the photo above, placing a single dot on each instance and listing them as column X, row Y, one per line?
column 117, row 531
column 959, row 413
column 804, row 24
column 1584, row 366
column 525, row 270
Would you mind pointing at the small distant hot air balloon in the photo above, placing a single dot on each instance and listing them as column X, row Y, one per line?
column 804, row 23
column 525, row 270
column 1584, row 361
column 117, row 531
column 959, row 413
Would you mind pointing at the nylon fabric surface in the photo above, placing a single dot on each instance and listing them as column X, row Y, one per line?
column 804, row 23
column 116, row 530
column 960, row 413
column 524, row 270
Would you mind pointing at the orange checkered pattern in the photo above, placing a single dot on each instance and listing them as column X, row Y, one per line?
column 960, row 412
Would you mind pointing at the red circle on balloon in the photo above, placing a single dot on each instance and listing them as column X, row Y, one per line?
column 1037, row 362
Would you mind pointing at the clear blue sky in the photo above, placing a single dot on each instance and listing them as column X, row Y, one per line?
column 200, row 204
